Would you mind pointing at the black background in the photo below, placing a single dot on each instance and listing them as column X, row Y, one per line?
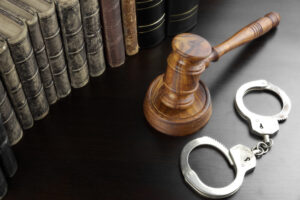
column 96, row 143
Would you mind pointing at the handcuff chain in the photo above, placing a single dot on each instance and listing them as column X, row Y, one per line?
column 262, row 148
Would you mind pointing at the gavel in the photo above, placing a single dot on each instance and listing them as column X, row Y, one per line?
column 177, row 102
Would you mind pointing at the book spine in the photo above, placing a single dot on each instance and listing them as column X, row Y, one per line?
column 54, row 48
column 28, row 72
column 10, row 120
column 7, row 157
column 14, row 88
column 3, row 185
column 93, row 37
column 151, row 22
column 42, row 61
column 130, row 27
column 182, row 15
column 113, row 34
column 72, row 31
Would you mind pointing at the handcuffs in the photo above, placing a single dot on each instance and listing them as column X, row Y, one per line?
column 240, row 157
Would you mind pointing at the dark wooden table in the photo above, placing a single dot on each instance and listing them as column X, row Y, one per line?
column 96, row 143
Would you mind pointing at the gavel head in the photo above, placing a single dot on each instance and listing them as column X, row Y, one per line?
column 178, row 103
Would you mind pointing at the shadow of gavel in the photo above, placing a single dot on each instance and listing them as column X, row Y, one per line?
column 177, row 103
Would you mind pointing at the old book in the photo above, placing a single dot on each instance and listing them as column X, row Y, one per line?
column 72, row 32
column 130, row 27
column 7, row 157
column 93, row 36
column 113, row 34
column 151, row 22
column 9, row 118
column 53, row 42
column 3, row 185
column 14, row 87
column 15, row 32
column 182, row 15
column 24, row 12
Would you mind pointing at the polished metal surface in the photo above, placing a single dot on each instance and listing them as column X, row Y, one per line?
column 262, row 125
column 240, row 157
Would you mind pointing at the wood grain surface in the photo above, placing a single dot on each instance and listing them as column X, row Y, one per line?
column 96, row 143
column 175, row 103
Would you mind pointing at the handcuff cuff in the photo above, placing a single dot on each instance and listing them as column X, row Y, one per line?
column 240, row 157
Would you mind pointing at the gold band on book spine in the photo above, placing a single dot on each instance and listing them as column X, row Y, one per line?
column 148, row 31
column 185, row 15
column 146, row 1
column 142, row 29
column 152, row 6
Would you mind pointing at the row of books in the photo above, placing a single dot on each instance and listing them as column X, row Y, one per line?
column 158, row 18
column 49, row 46
column 46, row 48
column 130, row 24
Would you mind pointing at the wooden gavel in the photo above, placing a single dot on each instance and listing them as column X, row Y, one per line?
column 178, row 103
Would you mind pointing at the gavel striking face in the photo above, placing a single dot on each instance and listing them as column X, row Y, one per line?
column 177, row 103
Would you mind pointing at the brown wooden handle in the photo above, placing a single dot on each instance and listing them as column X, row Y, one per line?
column 246, row 34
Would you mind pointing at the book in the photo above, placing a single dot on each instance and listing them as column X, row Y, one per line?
column 130, row 27
column 54, row 47
column 182, row 15
column 71, row 26
column 90, row 13
column 15, row 32
column 151, row 22
column 7, row 157
column 113, row 33
column 3, row 185
column 14, row 87
column 24, row 12
column 10, row 121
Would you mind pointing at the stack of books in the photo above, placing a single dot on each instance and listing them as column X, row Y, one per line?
column 48, row 47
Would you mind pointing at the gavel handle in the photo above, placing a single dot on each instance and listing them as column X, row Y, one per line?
column 246, row 34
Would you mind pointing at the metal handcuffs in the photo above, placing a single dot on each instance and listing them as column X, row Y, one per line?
column 240, row 157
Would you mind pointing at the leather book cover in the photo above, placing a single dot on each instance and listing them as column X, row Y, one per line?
column 7, row 158
column 182, row 15
column 151, row 22
column 51, row 33
column 10, row 121
column 90, row 13
column 72, row 32
column 25, row 13
column 113, row 33
column 130, row 27
column 14, row 87
column 19, row 43
column 3, row 185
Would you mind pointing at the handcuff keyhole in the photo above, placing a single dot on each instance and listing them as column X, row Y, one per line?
column 247, row 159
column 261, row 126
